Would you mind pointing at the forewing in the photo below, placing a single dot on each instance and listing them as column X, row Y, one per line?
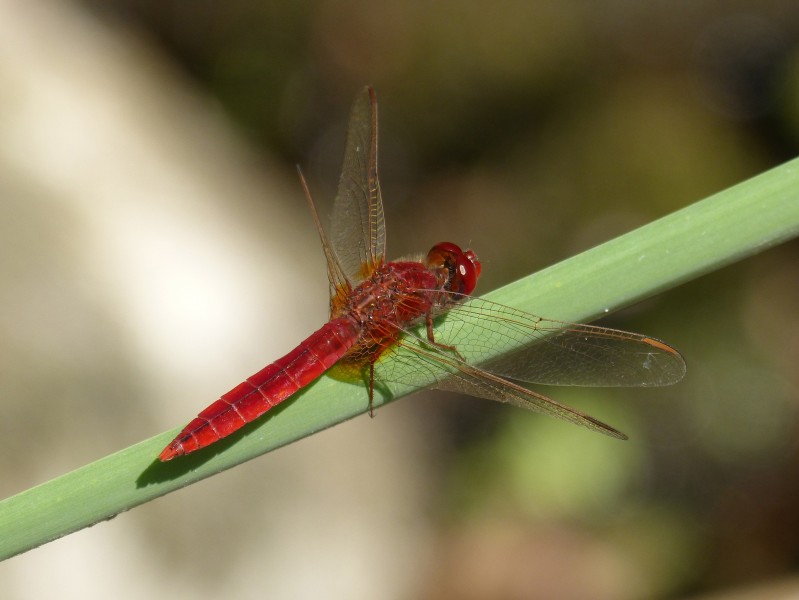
column 358, row 231
column 516, row 344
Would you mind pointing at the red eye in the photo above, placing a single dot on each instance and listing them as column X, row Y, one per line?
column 463, row 267
column 446, row 249
column 476, row 263
column 467, row 274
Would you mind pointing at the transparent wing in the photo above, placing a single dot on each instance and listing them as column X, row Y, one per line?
column 339, row 282
column 358, row 234
column 519, row 345
column 414, row 360
column 508, row 342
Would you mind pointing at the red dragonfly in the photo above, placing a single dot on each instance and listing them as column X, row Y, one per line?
column 412, row 321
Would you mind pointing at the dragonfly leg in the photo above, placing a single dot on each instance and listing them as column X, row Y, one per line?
column 371, row 388
column 431, row 338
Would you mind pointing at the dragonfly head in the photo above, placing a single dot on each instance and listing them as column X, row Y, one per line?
column 461, row 268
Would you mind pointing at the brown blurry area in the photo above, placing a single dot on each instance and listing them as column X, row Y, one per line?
column 155, row 249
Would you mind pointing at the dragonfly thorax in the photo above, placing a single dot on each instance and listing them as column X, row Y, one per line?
column 399, row 292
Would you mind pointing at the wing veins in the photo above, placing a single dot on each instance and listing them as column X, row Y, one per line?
column 450, row 373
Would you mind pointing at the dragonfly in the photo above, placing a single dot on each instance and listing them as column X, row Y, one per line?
column 413, row 322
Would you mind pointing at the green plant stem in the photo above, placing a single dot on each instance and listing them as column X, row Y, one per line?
column 728, row 226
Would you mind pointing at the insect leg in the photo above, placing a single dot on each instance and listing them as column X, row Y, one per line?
column 371, row 388
column 431, row 338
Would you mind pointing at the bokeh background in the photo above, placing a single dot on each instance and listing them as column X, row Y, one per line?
column 155, row 248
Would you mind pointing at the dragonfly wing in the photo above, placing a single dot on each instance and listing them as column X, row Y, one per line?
column 522, row 346
column 414, row 360
column 359, row 232
column 340, row 284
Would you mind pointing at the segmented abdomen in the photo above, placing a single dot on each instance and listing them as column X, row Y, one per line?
column 267, row 388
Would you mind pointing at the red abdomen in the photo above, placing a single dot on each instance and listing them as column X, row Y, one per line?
column 267, row 388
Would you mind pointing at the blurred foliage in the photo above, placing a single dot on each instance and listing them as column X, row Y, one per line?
column 536, row 130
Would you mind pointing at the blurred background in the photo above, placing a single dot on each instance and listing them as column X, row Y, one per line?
column 155, row 249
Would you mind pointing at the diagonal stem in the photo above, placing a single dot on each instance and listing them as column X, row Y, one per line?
column 728, row 226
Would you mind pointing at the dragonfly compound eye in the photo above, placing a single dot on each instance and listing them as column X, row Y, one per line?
column 463, row 268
